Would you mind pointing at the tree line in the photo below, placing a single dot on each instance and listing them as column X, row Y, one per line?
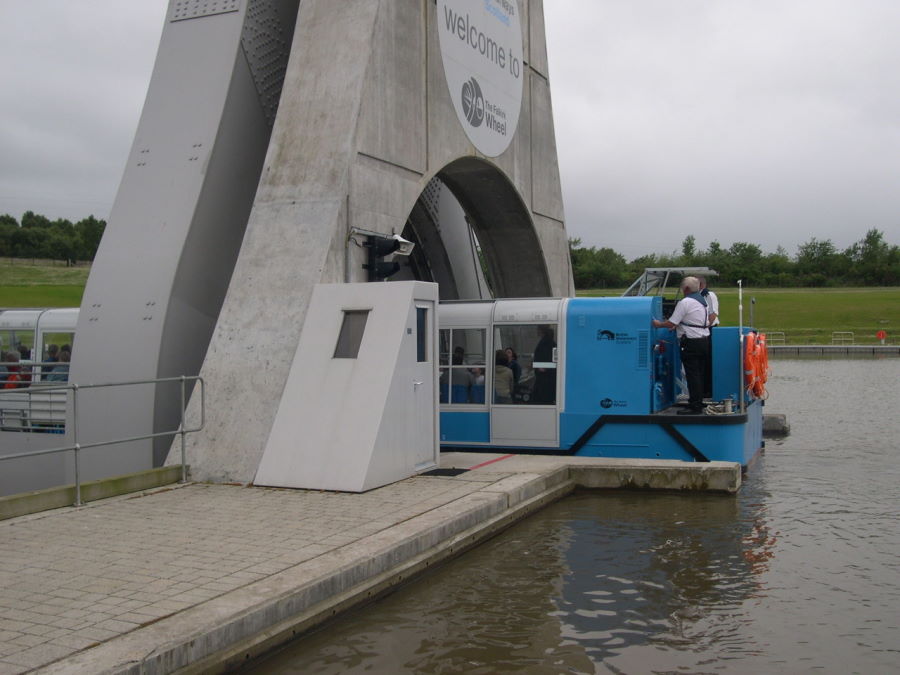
column 871, row 261
column 39, row 237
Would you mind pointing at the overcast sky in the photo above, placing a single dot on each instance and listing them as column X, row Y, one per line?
column 768, row 121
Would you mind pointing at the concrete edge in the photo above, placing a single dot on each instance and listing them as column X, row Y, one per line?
column 697, row 477
column 224, row 632
column 26, row 503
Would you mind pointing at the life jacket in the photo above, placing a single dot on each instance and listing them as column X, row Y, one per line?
column 702, row 300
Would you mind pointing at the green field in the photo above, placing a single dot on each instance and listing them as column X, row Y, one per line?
column 810, row 315
column 41, row 285
column 804, row 315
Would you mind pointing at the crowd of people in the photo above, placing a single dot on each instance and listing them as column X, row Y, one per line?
column 17, row 371
column 466, row 385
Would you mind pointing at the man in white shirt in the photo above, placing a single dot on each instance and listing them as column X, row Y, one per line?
column 691, row 323
column 712, row 305
column 712, row 302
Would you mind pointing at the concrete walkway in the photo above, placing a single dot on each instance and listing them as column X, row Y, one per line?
column 204, row 576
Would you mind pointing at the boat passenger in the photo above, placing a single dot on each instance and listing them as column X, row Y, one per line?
column 544, row 378
column 513, row 364
column 15, row 379
column 503, row 378
column 61, row 372
column 691, row 323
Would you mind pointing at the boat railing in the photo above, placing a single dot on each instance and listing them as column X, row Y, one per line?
column 42, row 407
column 842, row 337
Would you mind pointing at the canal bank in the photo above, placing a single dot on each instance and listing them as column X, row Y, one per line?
column 203, row 577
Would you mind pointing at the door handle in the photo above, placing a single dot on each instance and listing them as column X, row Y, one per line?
column 416, row 384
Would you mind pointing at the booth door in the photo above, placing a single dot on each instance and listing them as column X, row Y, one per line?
column 424, row 385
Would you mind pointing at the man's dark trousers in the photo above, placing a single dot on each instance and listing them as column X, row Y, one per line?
column 695, row 358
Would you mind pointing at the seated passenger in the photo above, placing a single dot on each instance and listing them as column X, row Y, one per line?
column 61, row 372
column 461, row 380
column 513, row 364
column 477, row 386
column 503, row 378
column 14, row 377
column 52, row 357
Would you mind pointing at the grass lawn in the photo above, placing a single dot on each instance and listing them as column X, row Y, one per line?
column 41, row 285
column 810, row 315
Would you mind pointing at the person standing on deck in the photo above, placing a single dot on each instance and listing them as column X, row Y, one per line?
column 691, row 323
column 712, row 306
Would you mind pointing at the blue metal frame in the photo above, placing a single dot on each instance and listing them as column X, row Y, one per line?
column 619, row 378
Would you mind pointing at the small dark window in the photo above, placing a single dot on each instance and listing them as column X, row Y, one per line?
column 350, row 337
column 421, row 334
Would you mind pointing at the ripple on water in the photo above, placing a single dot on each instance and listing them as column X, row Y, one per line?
column 798, row 572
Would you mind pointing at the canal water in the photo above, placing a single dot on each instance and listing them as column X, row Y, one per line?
column 798, row 572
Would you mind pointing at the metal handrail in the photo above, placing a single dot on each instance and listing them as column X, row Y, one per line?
column 78, row 447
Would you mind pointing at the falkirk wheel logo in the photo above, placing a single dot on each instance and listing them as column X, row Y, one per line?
column 473, row 102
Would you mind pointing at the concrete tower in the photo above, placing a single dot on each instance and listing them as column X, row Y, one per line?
column 380, row 104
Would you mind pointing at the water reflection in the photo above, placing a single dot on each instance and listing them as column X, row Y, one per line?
column 798, row 572
column 661, row 572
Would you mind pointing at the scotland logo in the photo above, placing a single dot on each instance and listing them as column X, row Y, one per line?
column 473, row 102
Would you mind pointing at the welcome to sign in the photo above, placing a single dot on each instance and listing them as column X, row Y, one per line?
column 481, row 49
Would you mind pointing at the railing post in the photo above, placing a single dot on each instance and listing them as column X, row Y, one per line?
column 75, row 443
column 183, row 450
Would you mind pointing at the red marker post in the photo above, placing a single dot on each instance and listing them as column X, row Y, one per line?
column 881, row 335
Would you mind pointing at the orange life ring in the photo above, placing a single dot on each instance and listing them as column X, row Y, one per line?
column 750, row 360
column 756, row 363
column 763, row 359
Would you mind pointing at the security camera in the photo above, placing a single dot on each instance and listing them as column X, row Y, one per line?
column 405, row 247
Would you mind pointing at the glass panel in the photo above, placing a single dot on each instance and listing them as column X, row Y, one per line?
column 529, row 352
column 444, row 339
column 16, row 349
column 444, row 385
column 468, row 343
column 421, row 334
column 57, row 349
column 18, row 341
column 350, row 337
column 462, row 354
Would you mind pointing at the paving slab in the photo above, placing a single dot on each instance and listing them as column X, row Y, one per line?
column 199, row 577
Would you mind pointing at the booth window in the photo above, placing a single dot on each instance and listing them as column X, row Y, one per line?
column 463, row 366
column 421, row 334
column 350, row 337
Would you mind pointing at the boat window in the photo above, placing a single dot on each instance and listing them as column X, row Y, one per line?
column 531, row 350
column 19, row 341
column 462, row 365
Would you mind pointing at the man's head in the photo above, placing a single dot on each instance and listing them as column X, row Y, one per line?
column 702, row 281
column 690, row 285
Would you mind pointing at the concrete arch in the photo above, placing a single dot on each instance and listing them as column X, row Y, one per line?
column 486, row 211
column 504, row 227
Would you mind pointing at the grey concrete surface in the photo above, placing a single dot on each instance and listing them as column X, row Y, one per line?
column 365, row 122
column 200, row 576
column 775, row 426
